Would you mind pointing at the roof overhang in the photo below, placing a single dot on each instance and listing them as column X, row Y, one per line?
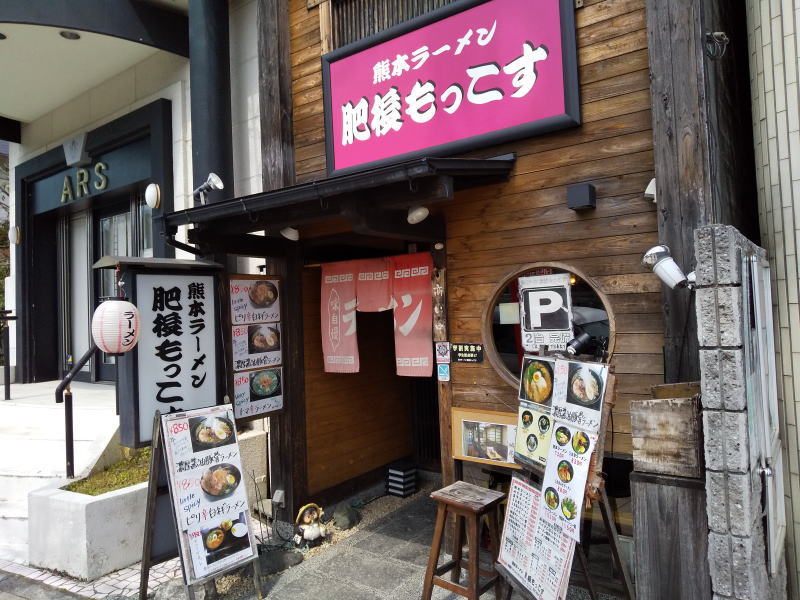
column 375, row 202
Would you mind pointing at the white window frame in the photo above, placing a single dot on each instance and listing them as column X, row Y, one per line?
column 762, row 399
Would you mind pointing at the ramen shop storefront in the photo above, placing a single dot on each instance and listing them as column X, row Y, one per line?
column 354, row 399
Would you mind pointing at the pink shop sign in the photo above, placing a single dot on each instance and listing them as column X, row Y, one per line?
column 471, row 74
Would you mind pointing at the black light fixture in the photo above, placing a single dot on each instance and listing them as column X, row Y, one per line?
column 2, row 36
column 579, row 344
column 581, row 196
column 213, row 182
column 69, row 35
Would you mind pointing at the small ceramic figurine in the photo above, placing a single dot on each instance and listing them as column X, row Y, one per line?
column 308, row 530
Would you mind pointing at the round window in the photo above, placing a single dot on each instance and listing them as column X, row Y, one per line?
column 591, row 315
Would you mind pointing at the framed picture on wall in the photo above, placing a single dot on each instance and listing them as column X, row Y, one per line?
column 484, row 436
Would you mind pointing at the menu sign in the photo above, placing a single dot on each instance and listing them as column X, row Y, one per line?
column 538, row 555
column 176, row 352
column 534, row 430
column 565, row 475
column 257, row 351
column 208, row 495
column 578, row 395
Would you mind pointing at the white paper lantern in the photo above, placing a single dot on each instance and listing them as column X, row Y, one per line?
column 115, row 326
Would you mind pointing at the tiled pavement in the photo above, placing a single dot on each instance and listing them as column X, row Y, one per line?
column 121, row 583
column 383, row 561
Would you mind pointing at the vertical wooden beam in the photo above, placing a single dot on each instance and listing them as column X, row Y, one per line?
column 440, row 334
column 680, row 141
column 287, row 431
column 325, row 27
column 702, row 144
column 275, row 93
column 287, row 451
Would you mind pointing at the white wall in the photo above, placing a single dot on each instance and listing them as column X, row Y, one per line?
column 774, row 66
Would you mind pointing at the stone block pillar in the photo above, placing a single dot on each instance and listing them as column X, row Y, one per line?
column 736, row 552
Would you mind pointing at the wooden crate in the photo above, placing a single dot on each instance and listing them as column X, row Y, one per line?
column 667, row 432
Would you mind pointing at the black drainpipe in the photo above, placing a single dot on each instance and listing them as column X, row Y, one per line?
column 210, row 84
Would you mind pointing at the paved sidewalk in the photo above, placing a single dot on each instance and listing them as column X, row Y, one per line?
column 32, row 451
column 382, row 561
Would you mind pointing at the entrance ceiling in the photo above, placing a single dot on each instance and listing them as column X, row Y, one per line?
column 40, row 70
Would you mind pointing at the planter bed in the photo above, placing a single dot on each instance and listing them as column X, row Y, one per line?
column 84, row 536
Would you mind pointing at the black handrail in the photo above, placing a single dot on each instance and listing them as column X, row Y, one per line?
column 5, row 317
column 70, row 442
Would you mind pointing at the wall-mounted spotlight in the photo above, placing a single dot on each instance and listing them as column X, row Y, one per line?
column 650, row 190
column 152, row 196
column 290, row 233
column 213, row 182
column 14, row 235
column 579, row 344
column 417, row 214
column 659, row 259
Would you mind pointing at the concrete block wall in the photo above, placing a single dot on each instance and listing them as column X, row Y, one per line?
column 773, row 27
column 736, row 552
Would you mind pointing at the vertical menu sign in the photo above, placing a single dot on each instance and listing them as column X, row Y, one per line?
column 208, row 495
column 256, row 347
column 177, row 369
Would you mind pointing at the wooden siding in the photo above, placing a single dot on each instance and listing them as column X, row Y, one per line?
column 357, row 422
column 496, row 229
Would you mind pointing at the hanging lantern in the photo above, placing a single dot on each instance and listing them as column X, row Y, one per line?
column 115, row 326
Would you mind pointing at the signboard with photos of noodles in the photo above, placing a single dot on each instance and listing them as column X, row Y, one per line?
column 208, row 494
column 256, row 346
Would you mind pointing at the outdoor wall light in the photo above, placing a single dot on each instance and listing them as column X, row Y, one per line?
column 417, row 214
column 290, row 233
column 439, row 246
column 650, row 190
column 152, row 195
column 69, row 35
column 14, row 235
column 2, row 36
column 579, row 344
column 213, row 182
column 659, row 259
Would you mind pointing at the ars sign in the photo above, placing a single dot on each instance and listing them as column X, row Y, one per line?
column 545, row 311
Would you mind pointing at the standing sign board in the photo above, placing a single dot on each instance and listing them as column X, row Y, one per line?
column 471, row 74
column 537, row 555
column 256, row 348
column 208, row 495
column 545, row 311
column 176, row 357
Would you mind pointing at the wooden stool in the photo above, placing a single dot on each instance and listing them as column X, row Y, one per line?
column 466, row 502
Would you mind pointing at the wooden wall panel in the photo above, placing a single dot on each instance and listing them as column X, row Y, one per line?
column 496, row 229
column 356, row 422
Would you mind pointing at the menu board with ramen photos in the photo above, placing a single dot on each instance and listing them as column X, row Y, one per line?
column 534, row 428
column 565, row 476
column 256, row 348
column 578, row 393
column 208, row 495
